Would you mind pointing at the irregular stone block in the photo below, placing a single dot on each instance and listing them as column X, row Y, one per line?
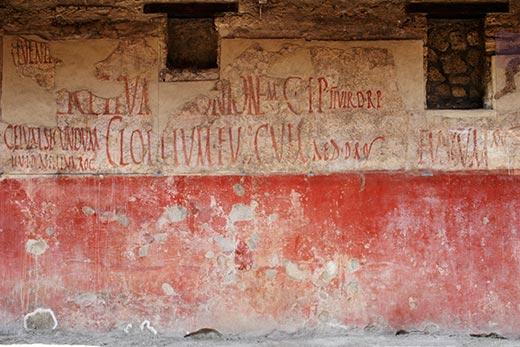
column 40, row 319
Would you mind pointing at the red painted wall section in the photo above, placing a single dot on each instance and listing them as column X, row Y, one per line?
column 257, row 253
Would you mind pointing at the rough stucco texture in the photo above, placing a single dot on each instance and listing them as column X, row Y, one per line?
column 257, row 253
column 313, row 237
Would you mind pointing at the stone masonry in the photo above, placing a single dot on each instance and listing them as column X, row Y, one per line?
column 456, row 64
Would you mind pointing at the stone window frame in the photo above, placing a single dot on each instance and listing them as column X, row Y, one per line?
column 167, row 74
column 483, row 68
column 189, row 9
column 469, row 9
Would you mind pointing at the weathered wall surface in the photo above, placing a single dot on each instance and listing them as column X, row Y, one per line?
column 325, row 193
column 280, row 106
column 259, row 253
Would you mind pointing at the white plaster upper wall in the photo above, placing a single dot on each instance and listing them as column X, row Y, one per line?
column 258, row 119
column 408, row 57
column 73, row 68
column 77, row 68
column 507, row 93
column 38, row 102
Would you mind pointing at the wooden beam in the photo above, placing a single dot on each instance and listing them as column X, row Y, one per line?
column 457, row 9
column 191, row 9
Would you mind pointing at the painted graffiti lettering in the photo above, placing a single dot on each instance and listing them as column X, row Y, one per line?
column 33, row 59
column 346, row 99
column 22, row 137
column 279, row 143
column 464, row 147
column 196, row 146
column 252, row 95
column 56, row 162
column 290, row 94
column 233, row 142
column 224, row 104
column 30, row 52
column 350, row 150
column 322, row 95
column 256, row 94
column 196, row 135
column 133, row 102
column 225, row 146
column 136, row 96
column 210, row 147
column 127, row 145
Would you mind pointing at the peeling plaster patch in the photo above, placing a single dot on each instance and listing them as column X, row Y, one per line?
column 212, row 202
column 129, row 254
column 252, row 243
column 242, row 213
column 123, row 219
column 41, row 69
column 207, row 228
column 485, row 220
column 227, row 245
column 115, row 217
column 431, row 328
column 146, row 325
column 330, row 271
column 143, row 250
column 40, row 319
column 239, row 189
column 295, row 199
column 130, row 58
column 88, row 211
column 50, row 231
column 412, row 303
column 209, row 255
column 161, row 237
column 443, row 268
column 271, row 273
column 226, row 266
column 352, row 287
column 222, row 261
column 323, row 295
column 36, row 247
column 274, row 261
column 168, row 289
column 353, row 265
column 88, row 299
column 172, row 214
column 272, row 218
column 294, row 271
column 230, row 277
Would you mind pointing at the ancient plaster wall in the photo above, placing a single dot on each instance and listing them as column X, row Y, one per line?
column 280, row 106
column 327, row 193
column 255, row 254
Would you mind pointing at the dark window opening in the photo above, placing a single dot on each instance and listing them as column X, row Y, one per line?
column 192, row 44
column 456, row 64
column 457, row 9
column 191, row 9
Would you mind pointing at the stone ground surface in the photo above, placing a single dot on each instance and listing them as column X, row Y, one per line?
column 300, row 339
